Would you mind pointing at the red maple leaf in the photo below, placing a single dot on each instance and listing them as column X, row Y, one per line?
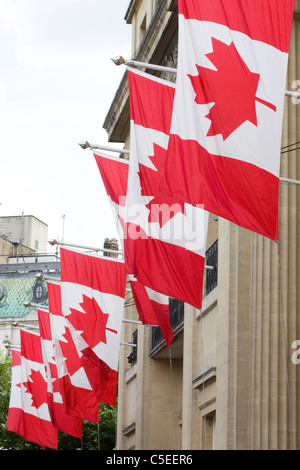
column 71, row 357
column 92, row 322
column 37, row 387
column 161, row 207
column 232, row 88
column 53, row 374
column 56, row 385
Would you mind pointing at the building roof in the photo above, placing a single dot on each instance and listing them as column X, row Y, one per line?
column 20, row 216
column 14, row 291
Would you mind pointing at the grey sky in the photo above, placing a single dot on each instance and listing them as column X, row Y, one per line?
column 56, row 85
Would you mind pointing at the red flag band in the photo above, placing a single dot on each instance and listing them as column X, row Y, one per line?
column 29, row 414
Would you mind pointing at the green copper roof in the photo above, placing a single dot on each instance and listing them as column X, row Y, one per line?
column 14, row 291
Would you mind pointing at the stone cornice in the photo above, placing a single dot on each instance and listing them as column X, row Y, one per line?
column 130, row 11
column 119, row 110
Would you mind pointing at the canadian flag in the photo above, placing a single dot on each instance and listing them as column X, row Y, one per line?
column 114, row 175
column 15, row 411
column 165, row 239
column 225, row 138
column 152, row 307
column 29, row 414
column 93, row 293
column 58, row 411
column 78, row 396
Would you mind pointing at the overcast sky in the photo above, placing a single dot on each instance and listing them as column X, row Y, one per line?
column 57, row 82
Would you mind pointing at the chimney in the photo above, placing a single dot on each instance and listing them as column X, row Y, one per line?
column 111, row 244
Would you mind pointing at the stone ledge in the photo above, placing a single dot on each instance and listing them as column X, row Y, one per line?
column 129, row 429
column 204, row 379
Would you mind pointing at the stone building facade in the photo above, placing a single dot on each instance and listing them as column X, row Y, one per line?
column 231, row 378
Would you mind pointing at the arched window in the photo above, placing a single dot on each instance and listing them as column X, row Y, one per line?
column 38, row 292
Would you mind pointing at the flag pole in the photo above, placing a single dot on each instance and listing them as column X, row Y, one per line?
column 125, row 320
column 289, row 181
column 29, row 304
column 8, row 345
column 41, row 277
column 119, row 60
column 292, row 94
column 138, row 322
column 24, row 325
column 86, row 145
column 93, row 248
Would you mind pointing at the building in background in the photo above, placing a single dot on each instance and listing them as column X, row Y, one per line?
column 25, row 230
column 23, row 257
column 229, row 380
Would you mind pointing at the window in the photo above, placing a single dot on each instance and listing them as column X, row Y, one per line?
column 132, row 357
column 176, row 308
column 38, row 292
column 212, row 274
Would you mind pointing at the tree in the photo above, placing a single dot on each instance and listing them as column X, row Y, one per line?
column 94, row 435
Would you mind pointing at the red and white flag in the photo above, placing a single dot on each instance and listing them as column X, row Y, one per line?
column 165, row 240
column 29, row 414
column 152, row 307
column 225, row 138
column 58, row 410
column 77, row 393
column 114, row 175
column 93, row 293
column 15, row 420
